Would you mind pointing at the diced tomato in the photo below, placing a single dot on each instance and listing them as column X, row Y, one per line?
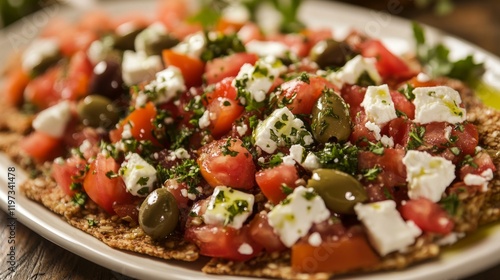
column 223, row 242
column 228, row 66
column 271, row 181
column 192, row 68
column 301, row 43
column 393, row 171
column 353, row 95
column 346, row 254
column 127, row 210
column 103, row 189
column 227, row 26
column 415, row 83
column 74, row 138
column 402, row 104
column 467, row 140
column 226, row 162
column 223, row 112
column 360, row 134
column 42, row 147
column 76, row 84
column 263, row 234
column 224, row 88
column 72, row 170
column 14, row 86
column 141, row 122
column 435, row 134
column 388, row 65
column 427, row 215
column 73, row 40
column 480, row 163
column 175, row 188
column 41, row 91
column 303, row 94
column 399, row 129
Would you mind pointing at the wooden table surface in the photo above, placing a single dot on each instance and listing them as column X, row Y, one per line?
column 37, row 258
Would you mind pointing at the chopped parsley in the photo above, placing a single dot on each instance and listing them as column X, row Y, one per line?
column 274, row 160
column 226, row 148
column 79, row 198
column 338, row 156
column 286, row 189
column 220, row 44
column 372, row 173
column 237, row 207
column 187, row 172
column 416, row 138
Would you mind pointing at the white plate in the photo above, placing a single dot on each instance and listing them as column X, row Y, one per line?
column 476, row 255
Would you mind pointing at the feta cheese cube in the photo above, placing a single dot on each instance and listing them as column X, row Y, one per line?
column 169, row 83
column 386, row 229
column 138, row 175
column 281, row 128
column 193, row 45
column 479, row 180
column 294, row 216
column 427, row 176
column 53, row 120
column 236, row 12
column 137, row 67
column 228, row 207
column 438, row 104
column 378, row 104
column 353, row 70
column 310, row 162
column 256, row 80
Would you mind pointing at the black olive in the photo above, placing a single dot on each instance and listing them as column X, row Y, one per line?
column 331, row 54
column 106, row 79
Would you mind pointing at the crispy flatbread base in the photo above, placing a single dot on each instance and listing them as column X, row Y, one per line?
column 477, row 209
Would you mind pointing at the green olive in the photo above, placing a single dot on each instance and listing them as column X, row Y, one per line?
column 158, row 215
column 340, row 191
column 330, row 118
column 97, row 111
column 331, row 54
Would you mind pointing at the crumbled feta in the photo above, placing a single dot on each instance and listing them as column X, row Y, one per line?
column 127, row 131
column 152, row 33
column 378, row 104
column 138, row 175
column 193, row 45
column 137, row 67
column 387, row 141
column 281, row 128
column 314, row 239
column 228, row 207
column 447, row 132
column 427, row 176
column 256, row 80
column 479, row 180
column 266, row 48
column 242, row 129
column 311, row 162
column 169, row 83
column 386, row 229
column 438, row 104
column 373, row 128
column 204, row 120
column 38, row 51
column 53, row 120
column 245, row 249
column 294, row 216
column 423, row 78
column 353, row 70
